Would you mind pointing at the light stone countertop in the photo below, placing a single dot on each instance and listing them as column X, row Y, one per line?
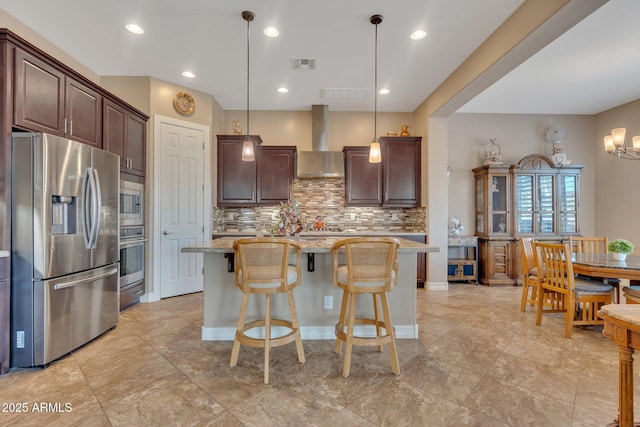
column 315, row 234
column 4, row 254
column 309, row 245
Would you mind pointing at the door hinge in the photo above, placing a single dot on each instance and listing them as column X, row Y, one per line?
column 203, row 271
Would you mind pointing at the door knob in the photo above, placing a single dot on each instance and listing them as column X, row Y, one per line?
column 166, row 233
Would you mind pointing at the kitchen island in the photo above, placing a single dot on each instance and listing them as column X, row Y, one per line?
column 222, row 298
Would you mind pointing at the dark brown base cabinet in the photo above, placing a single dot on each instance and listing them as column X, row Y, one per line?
column 421, row 271
column 130, row 295
column 396, row 182
column 266, row 181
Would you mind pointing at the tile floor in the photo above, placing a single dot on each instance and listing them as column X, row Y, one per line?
column 478, row 362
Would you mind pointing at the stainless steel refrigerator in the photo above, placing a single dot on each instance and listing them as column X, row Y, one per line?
column 65, row 246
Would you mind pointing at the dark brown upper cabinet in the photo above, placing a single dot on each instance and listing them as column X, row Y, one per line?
column 266, row 181
column 396, row 182
column 125, row 135
column 274, row 173
column 47, row 100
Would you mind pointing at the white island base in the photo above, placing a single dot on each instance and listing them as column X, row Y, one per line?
column 222, row 298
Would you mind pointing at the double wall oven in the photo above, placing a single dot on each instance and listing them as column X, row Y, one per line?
column 132, row 243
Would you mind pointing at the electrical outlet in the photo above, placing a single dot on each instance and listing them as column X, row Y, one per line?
column 395, row 217
column 230, row 216
column 328, row 302
column 353, row 217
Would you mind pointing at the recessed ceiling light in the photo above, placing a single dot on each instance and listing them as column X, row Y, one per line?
column 384, row 91
column 271, row 32
column 188, row 74
column 135, row 29
column 283, row 90
column 418, row 35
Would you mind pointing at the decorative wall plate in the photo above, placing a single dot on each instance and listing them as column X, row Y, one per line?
column 184, row 103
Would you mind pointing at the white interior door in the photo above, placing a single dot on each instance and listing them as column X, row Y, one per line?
column 181, row 204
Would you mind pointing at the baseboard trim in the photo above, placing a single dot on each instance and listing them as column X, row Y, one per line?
column 307, row 332
column 150, row 297
column 437, row 286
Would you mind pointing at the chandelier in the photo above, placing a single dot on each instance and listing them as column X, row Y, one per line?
column 614, row 145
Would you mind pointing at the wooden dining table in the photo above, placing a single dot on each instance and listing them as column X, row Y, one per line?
column 621, row 323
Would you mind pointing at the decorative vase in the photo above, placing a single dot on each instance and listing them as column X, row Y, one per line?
column 619, row 256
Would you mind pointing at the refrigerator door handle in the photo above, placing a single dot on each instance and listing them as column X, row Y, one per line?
column 98, row 206
column 84, row 280
column 86, row 220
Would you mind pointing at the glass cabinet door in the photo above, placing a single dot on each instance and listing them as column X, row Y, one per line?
column 480, row 204
column 524, row 204
column 535, row 204
column 568, row 203
column 499, row 193
column 546, row 204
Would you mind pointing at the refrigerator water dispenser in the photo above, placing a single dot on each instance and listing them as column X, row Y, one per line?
column 64, row 214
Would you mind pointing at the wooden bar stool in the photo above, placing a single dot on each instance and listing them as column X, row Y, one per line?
column 262, row 267
column 371, row 268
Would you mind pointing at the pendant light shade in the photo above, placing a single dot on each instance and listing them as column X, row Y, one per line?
column 375, row 155
column 248, row 152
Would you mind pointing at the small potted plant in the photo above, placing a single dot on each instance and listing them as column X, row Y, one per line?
column 620, row 248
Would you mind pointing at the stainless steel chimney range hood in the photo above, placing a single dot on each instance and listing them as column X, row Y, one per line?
column 320, row 163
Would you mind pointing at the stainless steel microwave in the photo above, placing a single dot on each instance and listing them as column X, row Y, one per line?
column 131, row 203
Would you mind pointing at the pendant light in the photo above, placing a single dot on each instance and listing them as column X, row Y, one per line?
column 375, row 156
column 248, row 152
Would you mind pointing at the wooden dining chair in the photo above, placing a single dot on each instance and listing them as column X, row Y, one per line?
column 262, row 267
column 530, row 273
column 594, row 246
column 560, row 292
column 370, row 267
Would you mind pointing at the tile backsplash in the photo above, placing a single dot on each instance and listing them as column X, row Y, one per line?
column 323, row 198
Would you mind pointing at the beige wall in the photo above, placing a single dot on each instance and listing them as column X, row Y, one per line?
column 617, row 201
column 518, row 135
column 155, row 97
column 9, row 22
column 294, row 127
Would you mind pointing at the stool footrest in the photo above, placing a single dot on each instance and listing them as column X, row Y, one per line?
column 273, row 342
column 364, row 341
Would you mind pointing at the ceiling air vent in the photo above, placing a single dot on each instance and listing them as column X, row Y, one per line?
column 344, row 93
column 303, row 64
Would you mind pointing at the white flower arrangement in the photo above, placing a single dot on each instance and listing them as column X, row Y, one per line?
column 290, row 219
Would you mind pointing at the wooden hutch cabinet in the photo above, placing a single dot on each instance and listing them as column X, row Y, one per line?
column 534, row 197
column 266, row 181
column 393, row 183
